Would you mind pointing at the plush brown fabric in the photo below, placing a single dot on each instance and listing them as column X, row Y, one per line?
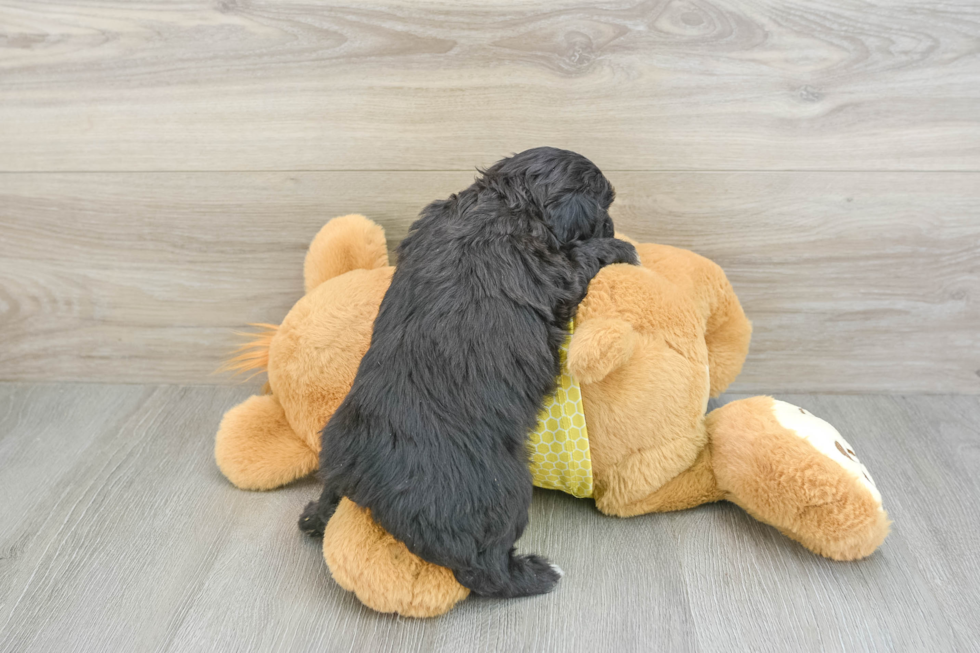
column 257, row 449
column 349, row 243
column 782, row 480
column 383, row 573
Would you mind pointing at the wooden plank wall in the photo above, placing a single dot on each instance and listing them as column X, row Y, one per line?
column 163, row 165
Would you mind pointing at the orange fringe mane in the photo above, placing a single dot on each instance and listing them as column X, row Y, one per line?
column 253, row 354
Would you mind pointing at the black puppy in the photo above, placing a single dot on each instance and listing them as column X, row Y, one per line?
column 432, row 436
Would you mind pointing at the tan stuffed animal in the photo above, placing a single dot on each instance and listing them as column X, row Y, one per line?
column 651, row 344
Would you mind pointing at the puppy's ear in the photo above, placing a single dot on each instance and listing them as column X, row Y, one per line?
column 573, row 216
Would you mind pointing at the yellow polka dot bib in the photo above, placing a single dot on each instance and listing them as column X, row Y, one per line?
column 560, row 458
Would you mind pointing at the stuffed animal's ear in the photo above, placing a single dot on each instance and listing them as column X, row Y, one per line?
column 350, row 242
column 598, row 347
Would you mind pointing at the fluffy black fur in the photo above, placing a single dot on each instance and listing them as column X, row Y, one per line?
column 432, row 436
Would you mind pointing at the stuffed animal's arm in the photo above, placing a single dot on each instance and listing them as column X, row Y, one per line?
column 598, row 347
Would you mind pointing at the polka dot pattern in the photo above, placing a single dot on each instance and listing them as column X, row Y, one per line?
column 559, row 447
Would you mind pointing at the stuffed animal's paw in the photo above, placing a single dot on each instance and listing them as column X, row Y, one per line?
column 792, row 470
column 385, row 575
column 257, row 449
column 825, row 439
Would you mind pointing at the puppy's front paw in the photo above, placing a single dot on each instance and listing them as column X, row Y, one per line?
column 631, row 256
column 620, row 251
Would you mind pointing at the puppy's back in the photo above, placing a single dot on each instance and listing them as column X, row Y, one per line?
column 432, row 435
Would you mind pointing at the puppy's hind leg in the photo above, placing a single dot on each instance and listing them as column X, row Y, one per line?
column 510, row 576
column 315, row 516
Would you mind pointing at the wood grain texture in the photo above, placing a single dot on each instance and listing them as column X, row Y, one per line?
column 855, row 283
column 124, row 536
column 659, row 84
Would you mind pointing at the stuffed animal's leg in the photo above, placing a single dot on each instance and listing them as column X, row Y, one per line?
column 691, row 488
column 257, row 449
column 385, row 575
column 794, row 471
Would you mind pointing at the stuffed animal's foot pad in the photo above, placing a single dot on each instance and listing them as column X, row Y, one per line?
column 310, row 522
column 825, row 439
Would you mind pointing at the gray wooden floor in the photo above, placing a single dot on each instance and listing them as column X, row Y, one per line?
column 117, row 532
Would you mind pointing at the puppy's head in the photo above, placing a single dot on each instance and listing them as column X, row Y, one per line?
column 562, row 188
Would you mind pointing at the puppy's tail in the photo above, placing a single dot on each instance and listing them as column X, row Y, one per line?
column 524, row 575
column 350, row 242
